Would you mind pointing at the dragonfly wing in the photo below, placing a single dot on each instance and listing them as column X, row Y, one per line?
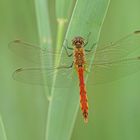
column 112, row 62
column 116, row 50
column 34, row 54
column 107, row 72
column 60, row 77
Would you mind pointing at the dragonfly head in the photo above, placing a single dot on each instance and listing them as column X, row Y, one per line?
column 78, row 42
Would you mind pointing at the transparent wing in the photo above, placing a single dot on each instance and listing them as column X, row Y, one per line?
column 112, row 62
column 116, row 50
column 38, row 71
column 59, row 77
column 34, row 54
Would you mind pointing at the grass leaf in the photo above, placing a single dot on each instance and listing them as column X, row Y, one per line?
column 3, row 135
column 87, row 17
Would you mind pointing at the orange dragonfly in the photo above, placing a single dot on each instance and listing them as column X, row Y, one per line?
column 107, row 59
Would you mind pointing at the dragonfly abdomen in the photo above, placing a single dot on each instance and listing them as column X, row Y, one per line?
column 83, row 94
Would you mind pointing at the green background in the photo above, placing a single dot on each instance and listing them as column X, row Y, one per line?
column 114, row 107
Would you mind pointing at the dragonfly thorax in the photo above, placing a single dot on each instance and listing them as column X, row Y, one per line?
column 78, row 42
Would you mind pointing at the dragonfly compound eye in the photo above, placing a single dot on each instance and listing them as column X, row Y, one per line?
column 78, row 41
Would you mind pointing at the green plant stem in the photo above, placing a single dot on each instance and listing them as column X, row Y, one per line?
column 3, row 135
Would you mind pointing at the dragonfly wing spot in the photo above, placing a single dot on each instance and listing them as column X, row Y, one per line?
column 19, row 69
column 17, row 41
column 137, row 32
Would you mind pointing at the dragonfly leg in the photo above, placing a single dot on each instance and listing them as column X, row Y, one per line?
column 68, row 45
column 66, row 49
column 71, row 64
column 68, row 54
column 89, row 50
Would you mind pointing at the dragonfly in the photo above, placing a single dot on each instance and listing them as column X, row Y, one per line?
column 107, row 60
